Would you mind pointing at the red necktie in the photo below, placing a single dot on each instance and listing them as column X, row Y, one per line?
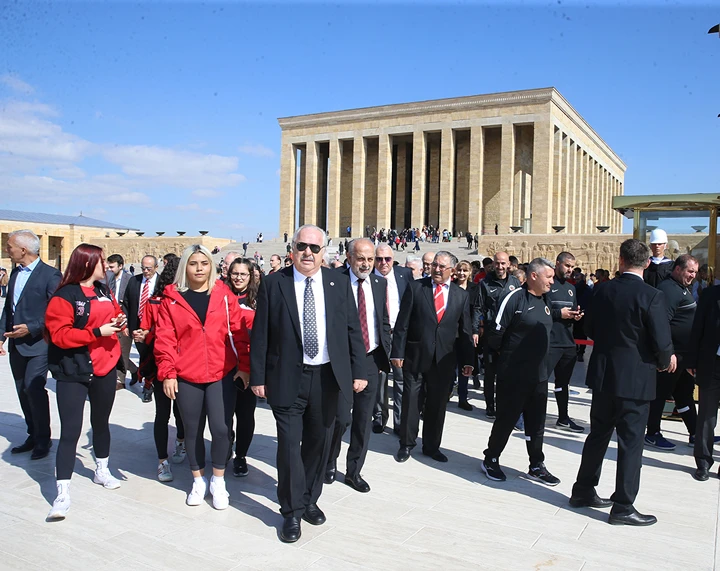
column 362, row 311
column 143, row 298
column 439, row 302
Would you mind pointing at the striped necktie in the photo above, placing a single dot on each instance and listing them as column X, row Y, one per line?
column 143, row 298
column 439, row 302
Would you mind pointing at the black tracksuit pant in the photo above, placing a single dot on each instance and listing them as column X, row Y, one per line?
column 561, row 361
column 679, row 385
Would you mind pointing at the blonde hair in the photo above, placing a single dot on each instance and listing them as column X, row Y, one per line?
column 181, row 274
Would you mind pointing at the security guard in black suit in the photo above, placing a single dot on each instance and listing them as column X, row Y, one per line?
column 628, row 321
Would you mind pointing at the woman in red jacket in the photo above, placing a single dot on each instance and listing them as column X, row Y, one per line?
column 198, row 346
column 82, row 320
column 243, row 283
column 148, row 371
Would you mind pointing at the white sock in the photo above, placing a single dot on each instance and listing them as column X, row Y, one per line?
column 218, row 478
column 199, row 480
column 63, row 486
column 102, row 463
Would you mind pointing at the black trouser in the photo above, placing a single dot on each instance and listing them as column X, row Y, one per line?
column 462, row 380
column 709, row 398
column 381, row 410
column 130, row 366
column 303, row 439
column 628, row 417
column 680, row 385
column 562, row 360
column 515, row 398
column 215, row 401
column 163, row 405
column 245, row 404
column 71, row 403
column 579, row 333
column 490, row 359
column 360, row 421
column 434, row 384
column 30, row 374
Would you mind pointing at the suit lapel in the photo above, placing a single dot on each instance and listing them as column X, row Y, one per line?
column 329, row 288
column 377, row 290
column 29, row 282
column 287, row 289
column 428, row 290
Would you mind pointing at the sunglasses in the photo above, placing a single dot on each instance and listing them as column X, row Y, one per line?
column 302, row 246
column 387, row 259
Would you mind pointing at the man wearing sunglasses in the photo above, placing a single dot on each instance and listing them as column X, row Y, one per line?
column 434, row 312
column 306, row 352
column 397, row 280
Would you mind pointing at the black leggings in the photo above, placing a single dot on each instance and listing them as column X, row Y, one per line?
column 215, row 400
column 71, row 403
column 245, row 404
column 162, row 418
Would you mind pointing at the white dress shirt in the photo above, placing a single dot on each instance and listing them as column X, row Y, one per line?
column 369, row 308
column 393, row 297
column 23, row 275
column 322, row 356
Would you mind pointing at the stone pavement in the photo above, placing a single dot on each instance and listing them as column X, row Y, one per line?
column 419, row 515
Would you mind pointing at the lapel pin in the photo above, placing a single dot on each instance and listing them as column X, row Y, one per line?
column 332, row 283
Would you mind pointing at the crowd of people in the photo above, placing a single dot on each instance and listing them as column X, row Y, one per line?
column 326, row 343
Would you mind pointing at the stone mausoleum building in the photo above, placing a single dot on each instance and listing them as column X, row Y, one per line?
column 522, row 160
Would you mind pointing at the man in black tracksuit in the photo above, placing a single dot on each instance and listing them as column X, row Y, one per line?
column 497, row 284
column 680, row 384
column 564, row 309
column 521, row 335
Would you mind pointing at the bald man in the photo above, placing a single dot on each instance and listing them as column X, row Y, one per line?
column 427, row 261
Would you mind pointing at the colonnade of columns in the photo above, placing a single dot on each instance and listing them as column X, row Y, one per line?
column 456, row 176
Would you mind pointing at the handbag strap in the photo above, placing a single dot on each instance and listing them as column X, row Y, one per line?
column 227, row 313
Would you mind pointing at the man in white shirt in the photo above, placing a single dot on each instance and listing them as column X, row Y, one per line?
column 117, row 280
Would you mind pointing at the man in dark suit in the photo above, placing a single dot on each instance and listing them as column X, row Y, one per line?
column 117, row 280
column 397, row 280
column 306, row 348
column 139, row 290
column 628, row 321
column 434, row 312
column 32, row 284
column 369, row 291
column 704, row 357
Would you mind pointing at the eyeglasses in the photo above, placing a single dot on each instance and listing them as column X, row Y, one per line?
column 386, row 259
column 302, row 246
column 147, row 269
column 440, row 267
column 242, row 275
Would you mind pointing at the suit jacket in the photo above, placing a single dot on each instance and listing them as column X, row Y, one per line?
column 382, row 319
column 705, row 337
column 403, row 277
column 276, row 351
column 418, row 338
column 111, row 282
column 30, row 308
column 627, row 319
column 131, row 301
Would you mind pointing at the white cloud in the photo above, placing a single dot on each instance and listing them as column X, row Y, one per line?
column 129, row 198
column 16, row 84
column 256, row 150
column 207, row 193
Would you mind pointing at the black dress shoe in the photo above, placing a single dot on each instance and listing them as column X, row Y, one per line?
column 290, row 531
column 357, row 483
column 330, row 475
column 377, row 428
column 702, row 474
column 632, row 518
column 40, row 451
column 26, row 446
column 437, row 456
column 593, row 501
column 465, row 405
column 403, row 454
column 314, row 515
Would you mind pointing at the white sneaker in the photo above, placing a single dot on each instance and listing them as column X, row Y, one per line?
column 220, row 496
column 106, row 479
column 198, row 493
column 178, row 456
column 61, row 505
column 164, row 472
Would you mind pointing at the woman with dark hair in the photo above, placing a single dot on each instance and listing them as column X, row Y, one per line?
column 82, row 321
column 198, row 346
column 148, row 371
column 463, row 278
column 244, row 284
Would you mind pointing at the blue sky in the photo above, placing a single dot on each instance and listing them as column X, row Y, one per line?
column 163, row 115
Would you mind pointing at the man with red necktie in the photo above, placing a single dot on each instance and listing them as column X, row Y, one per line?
column 433, row 313
column 138, row 291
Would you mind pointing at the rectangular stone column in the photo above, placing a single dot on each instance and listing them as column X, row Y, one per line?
column 311, row 183
column 401, row 186
column 507, row 177
column 417, row 207
column 477, row 164
column 287, row 187
column 542, row 196
column 358, row 193
column 333, row 213
column 384, row 185
column 447, row 180
column 572, row 215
